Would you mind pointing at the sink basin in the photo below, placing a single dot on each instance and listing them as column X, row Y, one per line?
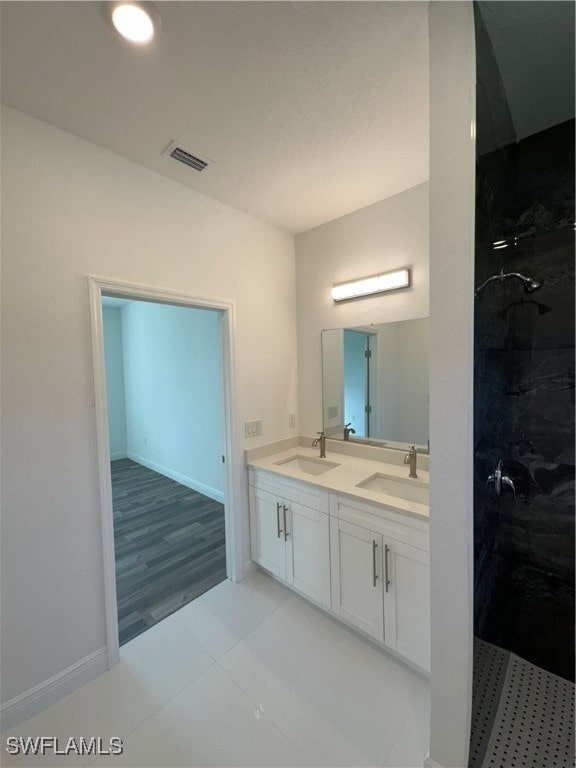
column 411, row 490
column 308, row 465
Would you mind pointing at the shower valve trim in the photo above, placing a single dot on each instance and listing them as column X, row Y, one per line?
column 500, row 479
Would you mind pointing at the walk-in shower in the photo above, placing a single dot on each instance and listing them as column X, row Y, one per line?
column 523, row 706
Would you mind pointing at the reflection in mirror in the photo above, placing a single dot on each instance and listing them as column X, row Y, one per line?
column 375, row 383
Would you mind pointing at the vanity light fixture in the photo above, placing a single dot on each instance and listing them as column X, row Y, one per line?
column 135, row 20
column 366, row 286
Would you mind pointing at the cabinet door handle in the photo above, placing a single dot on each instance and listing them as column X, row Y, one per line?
column 286, row 534
column 278, row 529
column 387, row 580
column 374, row 575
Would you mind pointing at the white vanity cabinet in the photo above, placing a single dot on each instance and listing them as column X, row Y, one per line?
column 407, row 602
column 356, row 572
column 380, row 576
column 366, row 563
column 289, row 533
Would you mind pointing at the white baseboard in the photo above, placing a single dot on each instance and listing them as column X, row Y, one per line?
column 429, row 763
column 195, row 485
column 36, row 699
column 118, row 455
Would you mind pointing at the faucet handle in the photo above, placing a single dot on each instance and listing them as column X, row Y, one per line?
column 322, row 436
column 499, row 479
column 321, row 440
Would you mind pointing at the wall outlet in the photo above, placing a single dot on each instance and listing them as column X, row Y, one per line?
column 291, row 419
column 253, row 428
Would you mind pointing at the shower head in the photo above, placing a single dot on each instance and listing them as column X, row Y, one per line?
column 529, row 283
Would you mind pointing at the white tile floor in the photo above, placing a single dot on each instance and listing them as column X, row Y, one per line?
column 247, row 675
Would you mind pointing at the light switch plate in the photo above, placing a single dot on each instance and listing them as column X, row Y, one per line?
column 332, row 411
column 253, row 428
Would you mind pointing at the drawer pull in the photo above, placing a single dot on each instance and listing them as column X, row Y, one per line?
column 387, row 580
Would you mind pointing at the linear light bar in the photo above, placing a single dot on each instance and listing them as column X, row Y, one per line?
column 365, row 286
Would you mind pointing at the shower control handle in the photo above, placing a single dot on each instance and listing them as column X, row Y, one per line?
column 500, row 479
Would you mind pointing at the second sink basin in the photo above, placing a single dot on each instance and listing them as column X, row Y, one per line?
column 411, row 490
column 308, row 465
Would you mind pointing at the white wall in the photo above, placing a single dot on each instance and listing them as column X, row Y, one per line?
column 173, row 382
column 115, row 395
column 70, row 209
column 389, row 234
column 452, row 203
column 412, row 383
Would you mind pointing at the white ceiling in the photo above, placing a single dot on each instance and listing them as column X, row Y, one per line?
column 310, row 110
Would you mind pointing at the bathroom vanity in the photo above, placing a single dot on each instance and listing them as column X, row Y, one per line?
column 351, row 534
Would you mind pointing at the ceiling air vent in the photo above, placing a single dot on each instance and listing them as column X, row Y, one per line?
column 177, row 151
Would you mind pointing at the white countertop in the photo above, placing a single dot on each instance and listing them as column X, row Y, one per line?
column 345, row 477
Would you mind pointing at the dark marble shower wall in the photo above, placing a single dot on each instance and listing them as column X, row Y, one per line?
column 524, row 384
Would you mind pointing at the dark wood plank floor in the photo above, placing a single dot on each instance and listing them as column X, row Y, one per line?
column 169, row 543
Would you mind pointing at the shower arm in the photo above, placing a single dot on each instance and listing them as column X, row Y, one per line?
column 502, row 276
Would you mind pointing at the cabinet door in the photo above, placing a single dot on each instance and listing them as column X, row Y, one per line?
column 407, row 601
column 267, row 532
column 308, row 552
column 356, row 560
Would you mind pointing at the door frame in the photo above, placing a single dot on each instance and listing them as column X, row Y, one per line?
column 371, row 376
column 99, row 287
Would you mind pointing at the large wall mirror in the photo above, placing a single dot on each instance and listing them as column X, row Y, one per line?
column 375, row 379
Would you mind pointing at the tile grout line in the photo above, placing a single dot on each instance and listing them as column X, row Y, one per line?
column 395, row 742
column 176, row 693
column 240, row 639
column 168, row 701
column 245, row 693
column 263, row 714
column 215, row 661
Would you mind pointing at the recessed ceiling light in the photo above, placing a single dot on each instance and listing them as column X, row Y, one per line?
column 136, row 21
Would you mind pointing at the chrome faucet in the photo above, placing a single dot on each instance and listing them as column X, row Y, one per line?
column 410, row 458
column 348, row 431
column 321, row 441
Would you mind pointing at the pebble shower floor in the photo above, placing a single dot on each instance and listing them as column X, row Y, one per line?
column 525, row 719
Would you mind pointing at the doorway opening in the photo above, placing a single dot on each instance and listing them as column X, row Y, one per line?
column 359, row 381
column 164, row 403
column 165, row 426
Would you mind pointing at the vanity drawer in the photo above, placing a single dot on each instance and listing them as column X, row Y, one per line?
column 292, row 490
column 394, row 525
